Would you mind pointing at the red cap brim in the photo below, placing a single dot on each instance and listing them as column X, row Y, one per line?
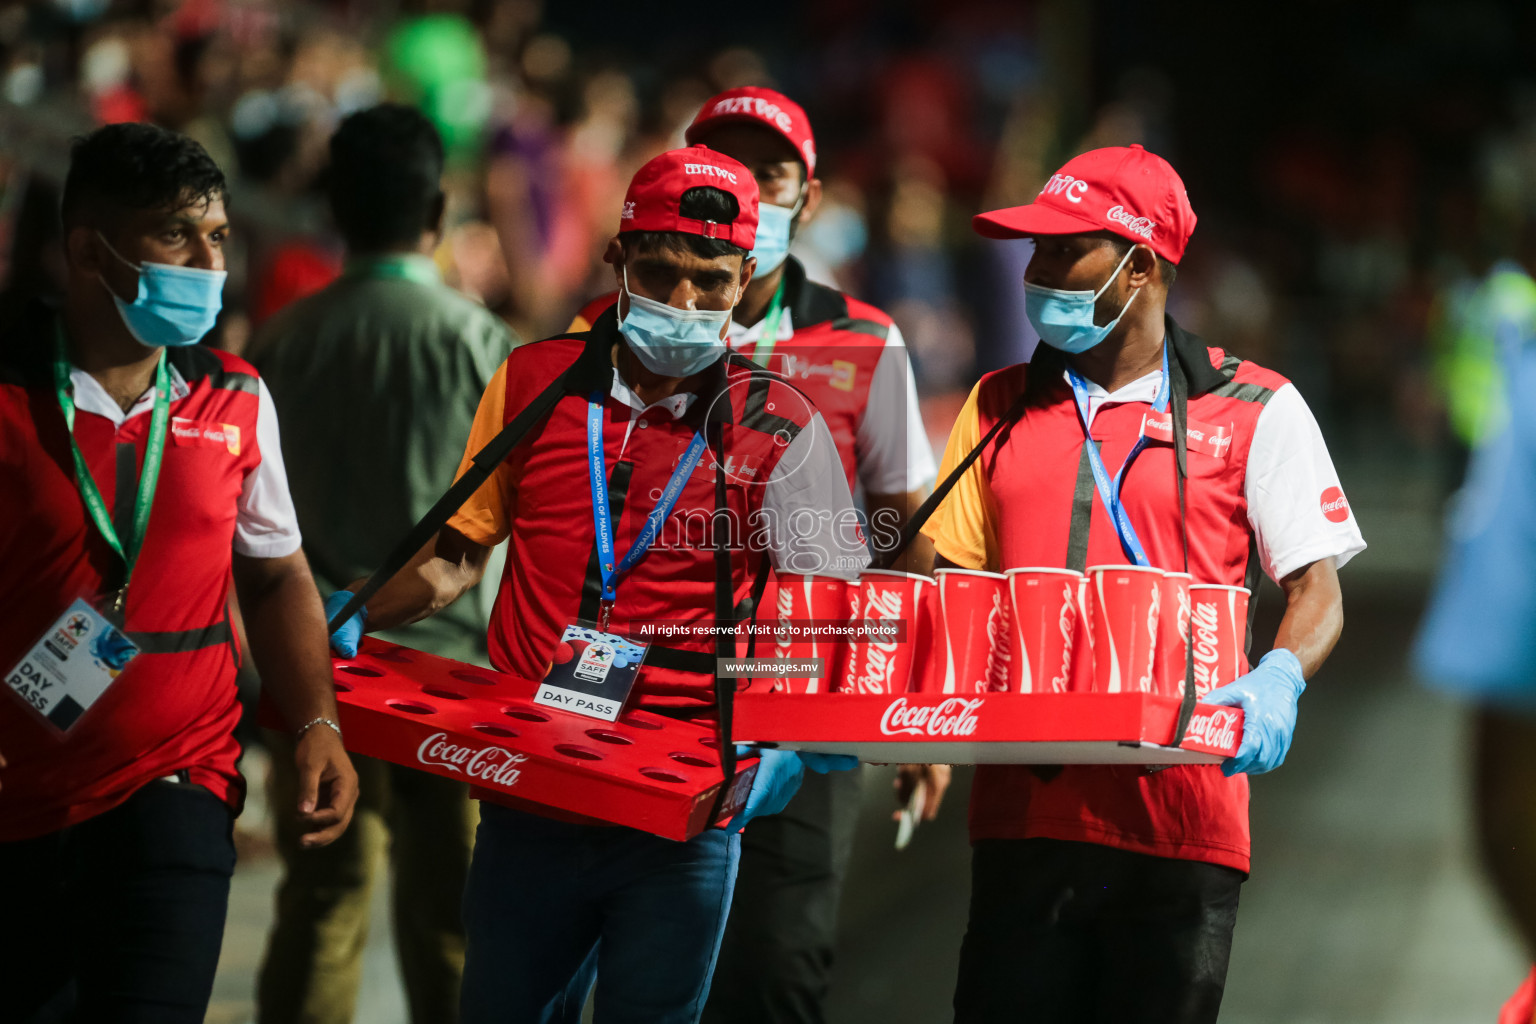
column 1031, row 219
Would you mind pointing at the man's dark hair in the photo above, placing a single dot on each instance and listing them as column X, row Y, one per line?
column 125, row 167
column 1166, row 269
column 702, row 202
column 385, row 178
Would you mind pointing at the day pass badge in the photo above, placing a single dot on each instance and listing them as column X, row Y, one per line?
column 592, row 673
column 72, row 665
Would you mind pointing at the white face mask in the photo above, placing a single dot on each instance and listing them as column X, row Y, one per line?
column 670, row 341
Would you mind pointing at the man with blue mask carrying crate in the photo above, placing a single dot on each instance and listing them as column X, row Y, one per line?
column 614, row 507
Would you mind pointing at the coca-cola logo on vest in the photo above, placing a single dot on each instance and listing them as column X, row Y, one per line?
column 494, row 765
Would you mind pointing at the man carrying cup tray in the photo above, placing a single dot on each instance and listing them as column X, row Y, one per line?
column 613, row 509
column 1109, row 893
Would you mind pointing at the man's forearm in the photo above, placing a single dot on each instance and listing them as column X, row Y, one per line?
column 889, row 515
column 1314, row 614
column 439, row 575
column 286, row 628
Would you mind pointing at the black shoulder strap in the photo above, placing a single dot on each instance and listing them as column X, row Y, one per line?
column 588, row 371
column 725, row 614
column 928, row 507
column 1179, row 385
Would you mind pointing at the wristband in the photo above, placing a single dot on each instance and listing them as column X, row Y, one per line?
column 314, row 722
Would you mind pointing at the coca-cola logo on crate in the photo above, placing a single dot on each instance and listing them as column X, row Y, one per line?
column 954, row 717
column 1217, row 730
column 487, row 764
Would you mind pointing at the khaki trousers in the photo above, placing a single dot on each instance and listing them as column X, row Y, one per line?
column 422, row 826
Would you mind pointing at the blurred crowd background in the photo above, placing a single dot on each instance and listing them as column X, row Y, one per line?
column 1358, row 169
column 1365, row 179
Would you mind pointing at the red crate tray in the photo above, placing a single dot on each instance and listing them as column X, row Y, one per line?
column 989, row 728
column 644, row 771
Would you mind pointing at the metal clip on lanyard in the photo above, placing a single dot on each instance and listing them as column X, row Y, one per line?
column 149, row 477
column 1109, row 490
column 602, row 518
column 768, row 337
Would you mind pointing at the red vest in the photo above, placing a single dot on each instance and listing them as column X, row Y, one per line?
column 837, row 343
column 174, row 707
column 551, row 578
column 1038, row 474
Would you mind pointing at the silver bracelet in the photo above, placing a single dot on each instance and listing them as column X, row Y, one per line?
column 314, row 722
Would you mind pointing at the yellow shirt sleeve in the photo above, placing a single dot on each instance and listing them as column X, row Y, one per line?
column 578, row 325
column 483, row 518
column 964, row 527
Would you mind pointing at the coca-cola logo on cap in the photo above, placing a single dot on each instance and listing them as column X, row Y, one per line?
column 1335, row 505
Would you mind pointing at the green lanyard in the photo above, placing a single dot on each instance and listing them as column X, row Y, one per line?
column 150, row 476
column 769, row 336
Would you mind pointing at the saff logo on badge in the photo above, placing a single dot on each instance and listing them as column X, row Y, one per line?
column 596, row 662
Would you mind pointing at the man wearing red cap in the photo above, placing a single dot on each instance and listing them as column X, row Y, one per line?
column 1109, row 893
column 551, row 900
column 850, row 359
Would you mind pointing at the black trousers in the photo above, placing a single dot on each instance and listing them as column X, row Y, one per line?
column 1077, row 933
column 775, row 962
column 119, row 919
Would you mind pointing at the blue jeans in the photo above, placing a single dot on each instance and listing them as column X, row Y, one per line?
column 549, row 903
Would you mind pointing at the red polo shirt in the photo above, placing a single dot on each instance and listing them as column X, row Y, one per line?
column 1016, row 508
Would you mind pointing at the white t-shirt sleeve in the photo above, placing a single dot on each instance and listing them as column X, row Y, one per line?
column 1292, row 490
column 892, row 448
column 810, row 521
column 266, row 525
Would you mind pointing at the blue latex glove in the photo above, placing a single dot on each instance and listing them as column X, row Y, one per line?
column 345, row 640
column 823, row 763
column 779, row 773
column 1268, row 698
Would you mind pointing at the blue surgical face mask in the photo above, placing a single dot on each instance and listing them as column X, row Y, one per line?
column 1064, row 319
column 773, row 231
column 670, row 341
column 174, row 306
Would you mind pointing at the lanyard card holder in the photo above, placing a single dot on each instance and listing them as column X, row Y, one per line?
column 592, row 673
column 71, row 665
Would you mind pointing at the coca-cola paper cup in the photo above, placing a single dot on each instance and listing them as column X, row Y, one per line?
column 1047, row 613
column 973, row 641
column 885, row 666
column 1125, row 601
column 1172, row 634
column 1218, row 625
column 790, row 604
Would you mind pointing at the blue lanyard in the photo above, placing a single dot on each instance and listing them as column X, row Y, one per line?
column 602, row 516
column 1109, row 490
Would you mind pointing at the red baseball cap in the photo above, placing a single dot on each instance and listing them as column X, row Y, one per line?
column 651, row 204
column 1123, row 189
column 751, row 104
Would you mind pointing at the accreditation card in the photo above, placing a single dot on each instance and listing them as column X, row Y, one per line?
column 71, row 665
